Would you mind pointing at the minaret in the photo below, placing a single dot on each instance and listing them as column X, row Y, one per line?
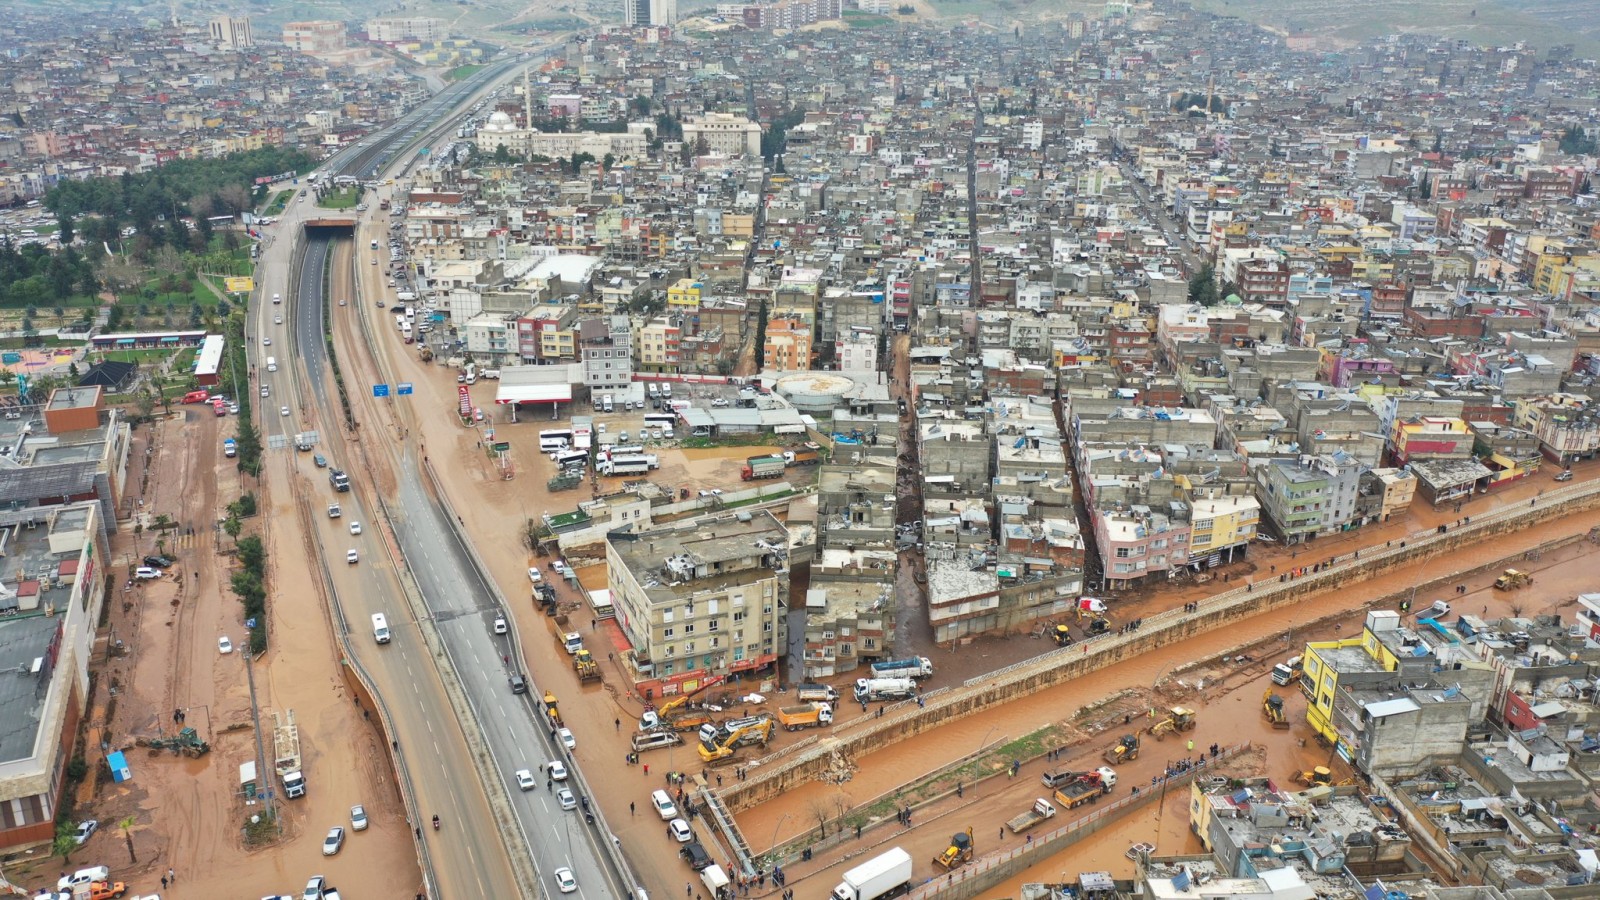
column 527, row 101
column 1211, row 84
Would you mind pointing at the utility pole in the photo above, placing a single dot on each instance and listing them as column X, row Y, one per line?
column 255, row 719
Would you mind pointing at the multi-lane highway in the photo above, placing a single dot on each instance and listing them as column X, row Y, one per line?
column 475, row 854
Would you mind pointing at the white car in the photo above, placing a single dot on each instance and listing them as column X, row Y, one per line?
column 719, row 403
column 283, row 410
column 352, row 557
column 564, row 880
column 525, row 780
column 534, row 575
column 145, row 573
column 224, row 645
column 334, row 840
column 566, row 799
column 500, row 625
column 567, row 739
column 665, row 808
column 277, row 320
column 680, row 831
column 556, row 769
column 358, row 818
column 266, row 342
column 355, row 527
column 85, row 829
column 277, row 298
column 266, row 391
column 313, row 888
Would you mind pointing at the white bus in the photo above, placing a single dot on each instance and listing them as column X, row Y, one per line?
column 665, row 420
column 551, row 441
column 565, row 458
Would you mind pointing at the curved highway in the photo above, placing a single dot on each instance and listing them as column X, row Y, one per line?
column 460, row 602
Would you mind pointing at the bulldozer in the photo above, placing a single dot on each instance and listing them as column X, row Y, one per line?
column 1126, row 750
column 1178, row 718
column 959, row 851
column 1063, row 636
column 1319, row 775
column 187, row 742
column 551, row 710
column 583, row 663
column 1511, row 579
column 1272, row 708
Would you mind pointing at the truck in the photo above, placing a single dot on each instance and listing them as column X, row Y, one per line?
column 1087, row 787
column 635, row 464
column 885, row 875
column 1286, row 672
column 286, row 754
column 809, row 455
column 339, row 480
column 884, row 689
column 716, row 882
column 759, row 467
column 816, row 693
column 230, row 448
column 1042, row 809
column 807, row 715
column 912, row 667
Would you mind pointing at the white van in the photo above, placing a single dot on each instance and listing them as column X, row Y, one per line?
column 277, row 298
column 272, row 364
column 380, row 628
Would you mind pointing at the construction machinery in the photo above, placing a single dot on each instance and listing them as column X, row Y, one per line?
column 1287, row 672
column 583, row 663
column 563, row 483
column 551, row 710
column 1126, row 750
column 1510, row 580
column 959, row 851
column 1178, row 719
column 1041, row 810
column 187, row 742
column 1319, row 775
column 806, row 715
column 1097, row 626
column 1272, row 707
column 669, row 714
column 718, row 753
column 1087, row 787
column 1063, row 635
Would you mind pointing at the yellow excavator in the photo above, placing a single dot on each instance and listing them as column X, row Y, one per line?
column 1272, row 708
column 583, row 663
column 1321, row 775
column 959, row 851
column 722, row 751
column 1126, row 750
column 675, row 708
column 1178, row 718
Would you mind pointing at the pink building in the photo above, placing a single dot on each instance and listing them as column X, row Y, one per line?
column 1137, row 542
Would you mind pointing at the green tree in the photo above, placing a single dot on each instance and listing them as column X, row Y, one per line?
column 1576, row 141
column 64, row 232
column 1203, row 287
column 761, row 336
column 232, row 526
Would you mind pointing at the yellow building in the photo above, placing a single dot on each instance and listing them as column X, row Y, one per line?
column 1219, row 524
column 558, row 344
column 684, row 295
column 1325, row 663
column 1553, row 273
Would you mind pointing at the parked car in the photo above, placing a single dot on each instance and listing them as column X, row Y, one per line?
column 145, row 573
column 85, row 830
column 158, row 562
column 680, row 831
column 358, row 818
column 224, row 645
column 566, row 799
column 556, row 769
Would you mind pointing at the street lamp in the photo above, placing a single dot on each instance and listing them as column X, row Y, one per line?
column 774, row 842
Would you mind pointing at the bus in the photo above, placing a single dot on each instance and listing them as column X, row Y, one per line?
column 665, row 420
column 565, row 458
column 551, row 441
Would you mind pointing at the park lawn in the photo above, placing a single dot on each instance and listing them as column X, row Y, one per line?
column 460, row 72
column 139, row 357
column 275, row 208
column 343, row 198
column 858, row 19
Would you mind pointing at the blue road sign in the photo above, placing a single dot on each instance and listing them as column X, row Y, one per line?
column 405, row 389
column 380, row 390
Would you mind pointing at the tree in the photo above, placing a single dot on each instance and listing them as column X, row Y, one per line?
column 232, row 526
column 127, row 835
column 820, row 809
column 64, row 842
column 532, row 529
column 64, row 231
column 1203, row 287
column 1576, row 142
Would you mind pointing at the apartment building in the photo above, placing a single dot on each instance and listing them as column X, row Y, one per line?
column 606, row 345
column 232, row 32
column 699, row 599
column 724, row 133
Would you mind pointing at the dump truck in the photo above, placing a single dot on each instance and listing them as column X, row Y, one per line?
column 884, row 689
column 809, row 455
column 759, row 467
column 883, row 876
column 1042, row 809
column 1510, row 580
column 1178, row 719
column 959, row 851
column 1088, row 787
column 583, row 663
column 339, row 479
column 286, row 754
column 816, row 693
column 810, row 715
column 1286, row 672
column 913, row 667
column 1272, row 708
column 1126, row 750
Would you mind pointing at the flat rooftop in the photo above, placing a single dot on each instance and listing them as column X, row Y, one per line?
column 23, row 641
column 73, row 398
column 702, row 553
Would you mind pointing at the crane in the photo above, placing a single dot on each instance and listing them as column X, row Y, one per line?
column 655, row 718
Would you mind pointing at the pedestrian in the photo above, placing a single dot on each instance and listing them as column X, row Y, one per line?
column 688, row 889
column 960, row 789
column 858, row 831
column 647, row 768
column 549, row 785
column 616, row 724
column 1191, row 745
column 1126, row 718
column 719, row 780
column 630, row 807
column 1002, row 835
column 171, row 875
column 163, row 882
column 1029, row 840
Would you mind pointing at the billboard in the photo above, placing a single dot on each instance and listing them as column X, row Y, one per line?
column 465, row 397
column 240, row 285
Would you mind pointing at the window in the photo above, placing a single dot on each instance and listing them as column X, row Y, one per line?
column 666, row 616
column 767, row 627
column 667, row 633
column 1122, row 553
column 688, row 628
column 715, row 624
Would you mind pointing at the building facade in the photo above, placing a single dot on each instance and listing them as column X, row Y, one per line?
column 232, row 33
column 724, row 133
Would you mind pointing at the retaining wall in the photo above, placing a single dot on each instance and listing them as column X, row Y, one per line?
column 786, row 770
